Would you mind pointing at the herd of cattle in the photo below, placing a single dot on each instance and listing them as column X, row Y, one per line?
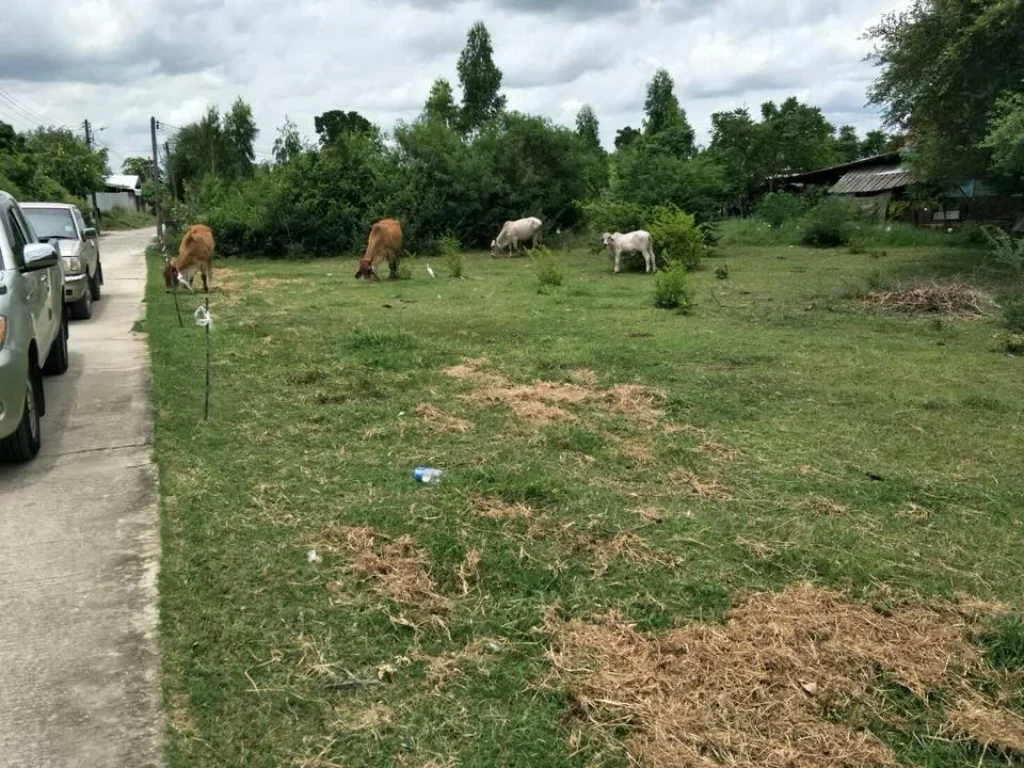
column 195, row 253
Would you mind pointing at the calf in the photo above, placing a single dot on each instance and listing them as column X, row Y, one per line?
column 515, row 233
column 638, row 241
column 385, row 242
column 194, row 252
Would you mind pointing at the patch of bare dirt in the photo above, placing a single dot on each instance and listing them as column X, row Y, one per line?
column 757, row 689
column 396, row 568
column 439, row 421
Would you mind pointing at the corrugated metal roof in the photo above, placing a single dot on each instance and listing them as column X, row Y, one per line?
column 122, row 182
column 876, row 180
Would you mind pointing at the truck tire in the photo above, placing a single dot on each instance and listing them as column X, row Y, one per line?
column 95, row 282
column 24, row 443
column 82, row 309
column 57, row 360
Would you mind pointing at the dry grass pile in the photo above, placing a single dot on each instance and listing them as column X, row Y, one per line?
column 758, row 689
column 976, row 720
column 439, row 421
column 684, row 479
column 396, row 568
column 824, row 506
column 630, row 547
column 939, row 298
column 542, row 401
column 498, row 509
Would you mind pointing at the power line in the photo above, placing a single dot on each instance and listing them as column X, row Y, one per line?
column 26, row 111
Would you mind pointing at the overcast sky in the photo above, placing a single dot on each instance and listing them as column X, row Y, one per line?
column 116, row 62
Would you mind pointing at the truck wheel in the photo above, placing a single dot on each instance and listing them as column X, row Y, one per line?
column 95, row 282
column 57, row 360
column 24, row 443
column 82, row 309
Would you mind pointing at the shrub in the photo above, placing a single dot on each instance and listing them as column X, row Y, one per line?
column 404, row 270
column 829, row 224
column 973, row 234
column 451, row 249
column 1013, row 343
column 709, row 233
column 605, row 214
column 672, row 290
column 1005, row 250
column 677, row 240
column 546, row 267
column 776, row 208
column 722, row 273
column 1013, row 314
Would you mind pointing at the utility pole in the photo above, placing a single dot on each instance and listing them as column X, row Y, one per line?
column 156, row 181
column 170, row 171
column 88, row 145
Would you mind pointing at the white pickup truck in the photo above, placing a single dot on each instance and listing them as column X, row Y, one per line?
column 33, row 330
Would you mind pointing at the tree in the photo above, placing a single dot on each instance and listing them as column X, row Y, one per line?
column 794, row 137
column 848, row 145
column 288, row 144
column 239, row 133
column 875, row 143
column 736, row 145
column 480, row 79
column 944, row 66
column 66, row 159
column 664, row 120
column 1005, row 137
column 332, row 124
column 588, row 128
column 626, row 136
column 440, row 104
column 137, row 166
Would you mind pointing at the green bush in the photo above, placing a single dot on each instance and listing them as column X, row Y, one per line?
column 829, row 224
column 1013, row 343
column 1013, row 314
column 672, row 290
column 546, row 267
column 677, row 239
column 776, row 208
column 722, row 273
column 1005, row 250
column 606, row 214
column 451, row 249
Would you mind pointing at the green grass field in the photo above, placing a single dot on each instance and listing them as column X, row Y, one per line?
column 777, row 435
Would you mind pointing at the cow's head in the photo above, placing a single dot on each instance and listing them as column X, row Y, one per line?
column 170, row 273
column 366, row 271
column 495, row 250
column 607, row 239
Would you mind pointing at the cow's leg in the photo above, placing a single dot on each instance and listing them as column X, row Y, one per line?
column 205, row 273
column 394, row 269
column 654, row 263
column 618, row 253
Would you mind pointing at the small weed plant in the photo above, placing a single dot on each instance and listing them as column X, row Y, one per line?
column 776, row 208
column 451, row 249
column 722, row 273
column 1005, row 250
column 672, row 290
column 829, row 224
column 677, row 239
column 546, row 267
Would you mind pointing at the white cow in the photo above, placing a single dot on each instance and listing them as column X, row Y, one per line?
column 638, row 241
column 514, row 233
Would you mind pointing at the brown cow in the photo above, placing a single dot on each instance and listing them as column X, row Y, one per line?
column 194, row 252
column 385, row 243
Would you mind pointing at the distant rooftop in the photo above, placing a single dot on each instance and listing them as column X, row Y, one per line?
column 120, row 181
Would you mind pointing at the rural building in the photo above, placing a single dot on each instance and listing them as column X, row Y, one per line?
column 120, row 191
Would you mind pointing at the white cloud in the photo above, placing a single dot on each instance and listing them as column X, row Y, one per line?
column 172, row 58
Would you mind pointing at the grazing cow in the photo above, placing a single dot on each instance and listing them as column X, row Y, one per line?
column 638, row 241
column 515, row 233
column 385, row 243
column 194, row 252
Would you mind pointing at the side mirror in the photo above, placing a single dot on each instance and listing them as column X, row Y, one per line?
column 40, row 256
column 89, row 233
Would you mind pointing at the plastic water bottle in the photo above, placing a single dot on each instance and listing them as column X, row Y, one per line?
column 427, row 475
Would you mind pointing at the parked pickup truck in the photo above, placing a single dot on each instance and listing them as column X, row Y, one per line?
column 33, row 330
column 62, row 226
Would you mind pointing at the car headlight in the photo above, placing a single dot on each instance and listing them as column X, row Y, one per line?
column 72, row 264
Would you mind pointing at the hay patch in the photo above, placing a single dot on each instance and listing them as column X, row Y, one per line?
column 688, row 482
column 179, row 717
column 469, row 570
column 584, row 376
column 542, row 402
column 929, row 298
column 987, row 726
column 718, row 450
column 824, row 506
column 439, row 421
column 498, row 509
column 396, row 568
column 631, row 548
column 758, row 689
column 638, row 454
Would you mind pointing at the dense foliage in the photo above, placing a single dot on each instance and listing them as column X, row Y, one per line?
column 51, row 164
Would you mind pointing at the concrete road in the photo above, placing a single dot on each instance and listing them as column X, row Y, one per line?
column 79, row 549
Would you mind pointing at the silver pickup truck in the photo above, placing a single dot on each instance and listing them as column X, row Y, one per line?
column 33, row 330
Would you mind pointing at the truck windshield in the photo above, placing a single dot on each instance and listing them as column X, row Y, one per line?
column 51, row 222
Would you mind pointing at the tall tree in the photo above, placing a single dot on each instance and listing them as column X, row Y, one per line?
column 440, row 104
column 66, row 159
column 848, row 145
column 138, row 166
column 626, row 136
column 480, row 79
column 587, row 127
column 664, row 120
column 240, row 131
column 944, row 66
column 1005, row 137
column 875, row 143
column 288, row 144
column 333, row 123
